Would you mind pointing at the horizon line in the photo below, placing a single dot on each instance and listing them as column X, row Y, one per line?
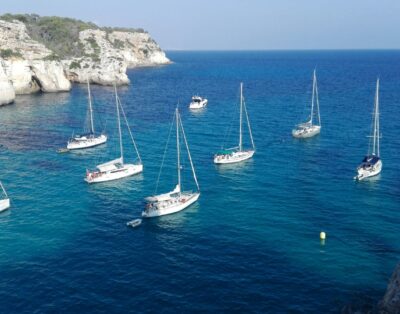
column 283, row 49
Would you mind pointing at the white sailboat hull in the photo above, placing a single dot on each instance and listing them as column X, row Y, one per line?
column 234, row 157
column 171, row 206
column 307, row 132
column 4, row 204
column 198, row 105
column 364, row 173
column 86, row 142
column 126, row 170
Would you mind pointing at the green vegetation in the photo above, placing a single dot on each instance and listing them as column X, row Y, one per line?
column 95, row 46
column 75, row 65
column 8, row 53
column 60, row 34
column 52, row 57
column 118, row 44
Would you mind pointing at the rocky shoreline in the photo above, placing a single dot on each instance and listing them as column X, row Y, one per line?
column 98, row 55
column 390, row 303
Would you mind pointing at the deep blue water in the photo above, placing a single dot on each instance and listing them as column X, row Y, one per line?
column 251, row 243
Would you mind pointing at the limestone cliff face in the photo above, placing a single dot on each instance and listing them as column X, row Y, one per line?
column 138, row 49
column 114, row 52
column 100, row 55
column 26, row 65
column 7, row 93
column 101, row 64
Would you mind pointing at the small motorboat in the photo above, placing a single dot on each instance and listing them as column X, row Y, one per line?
column 134, row 223
column 198, row 102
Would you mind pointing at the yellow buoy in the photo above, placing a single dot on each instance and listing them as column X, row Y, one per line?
column 322, row 235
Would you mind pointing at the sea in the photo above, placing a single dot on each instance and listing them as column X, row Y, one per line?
column 252, row 242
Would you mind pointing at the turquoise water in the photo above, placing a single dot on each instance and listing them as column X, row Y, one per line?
column 251, row 243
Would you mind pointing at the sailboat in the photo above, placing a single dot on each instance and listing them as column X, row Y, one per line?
column 4, row 202
column 175, row 200
column 372, row 163
column 237, row 154
column 309, row 128
column 89, row 139
column 117, row 168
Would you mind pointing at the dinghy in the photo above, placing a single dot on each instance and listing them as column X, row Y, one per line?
column 134, row 223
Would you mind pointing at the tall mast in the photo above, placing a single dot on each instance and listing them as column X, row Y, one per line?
column 90, row 109
column 312, row 98
column 248, row 124
column 190, row 157
column 317, row 98
column 375, row 149
column 240, row 121
column 178, row 149
column 119, row 124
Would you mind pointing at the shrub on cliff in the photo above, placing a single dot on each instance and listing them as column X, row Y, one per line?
column 61, row 34
column 8, row 53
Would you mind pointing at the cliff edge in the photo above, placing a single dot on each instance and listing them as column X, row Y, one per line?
column 48, row 53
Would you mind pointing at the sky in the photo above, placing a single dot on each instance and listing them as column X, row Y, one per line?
column 238, row 24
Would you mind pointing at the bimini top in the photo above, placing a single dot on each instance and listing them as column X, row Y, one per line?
column 165, row 196
column 225, row 152
column 111, row 165
column 370, row 160
column 304, row 125
column 197, row 98
column 84, row 135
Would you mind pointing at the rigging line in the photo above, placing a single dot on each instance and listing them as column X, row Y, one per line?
column 129, row 130
column 165, row 152
column 228, row 131
column 248, row 124
column 190, row 157
column 317, row 98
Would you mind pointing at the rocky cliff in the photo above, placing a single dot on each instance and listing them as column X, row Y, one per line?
column 390, row 303
column 48, row 53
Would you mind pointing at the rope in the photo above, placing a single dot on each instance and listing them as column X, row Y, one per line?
column 190, row 157
column 248, row 124
column 165, row 152
column 228, row 132
column 129, row 129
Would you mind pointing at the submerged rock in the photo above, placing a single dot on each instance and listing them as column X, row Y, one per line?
column 390, row 303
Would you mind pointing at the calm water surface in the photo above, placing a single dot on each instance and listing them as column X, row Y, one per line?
column 251, row 243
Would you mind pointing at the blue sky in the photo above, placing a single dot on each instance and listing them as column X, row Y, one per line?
column 239, row 24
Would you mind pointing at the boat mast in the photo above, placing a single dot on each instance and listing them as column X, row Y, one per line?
column 119, row 124
column 317, row 98
column 312, row 98
column 248, row 124
column 375, row 149
column 190, row 157
column 240, row 120
column 178, row 150
column 90, row 109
